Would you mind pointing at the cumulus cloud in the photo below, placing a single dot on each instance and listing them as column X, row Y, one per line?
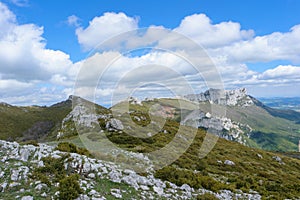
column 281, row 72
column 36, row 72
column 104, row 27
column 201, row 29
column 25, row 62
column 275, row 46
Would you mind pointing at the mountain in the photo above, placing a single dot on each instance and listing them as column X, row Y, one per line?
column 235, row 116
column 283, row 103
column 247, row 120
column 160, row 148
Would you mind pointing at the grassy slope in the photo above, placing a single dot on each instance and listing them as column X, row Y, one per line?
column 14, row 121
column 271, row 132
column 265, row 175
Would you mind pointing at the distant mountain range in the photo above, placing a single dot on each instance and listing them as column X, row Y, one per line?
column 247, row 120
column 285, row 103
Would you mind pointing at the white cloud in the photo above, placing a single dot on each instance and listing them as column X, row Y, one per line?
column 200, row 28
column 281, row 72
column 21, row 3
column 275, row 46
column 104, row 27
column 73, row 20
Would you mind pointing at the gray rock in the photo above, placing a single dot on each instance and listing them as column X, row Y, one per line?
column 24, row 154
column 186, row 187
column 116, row 193
column 83, row 197
column 92, row 175
column 158, row 190
column 44, row 194
column 14, row 184
column 114, row 124
column 277, row 158
column 2, row 174
column 15, row 175
column 40, row 186
column 27, row 198
column 93, row 192
column 115, row 176
column 229, row 162
column 259, row 156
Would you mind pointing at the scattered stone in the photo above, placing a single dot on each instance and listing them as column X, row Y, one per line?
column 15, row 175
column 44, row 194
column 91, row 175
column 40, row 186
column 93, row 192
column 27, row 198
column 277, row 158
column 116, row 193
column 259, row 156
column 14, row 184
column 24, row 154
column 229, row 162
column 158, row 190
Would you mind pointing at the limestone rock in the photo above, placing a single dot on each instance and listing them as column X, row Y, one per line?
column 229, row 162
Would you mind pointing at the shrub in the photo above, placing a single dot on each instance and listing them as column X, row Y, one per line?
column 206, row 196
column 69, row 187
column 30, row 142
column 72, row 148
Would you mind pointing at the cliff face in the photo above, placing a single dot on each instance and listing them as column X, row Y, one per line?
column 236, row 97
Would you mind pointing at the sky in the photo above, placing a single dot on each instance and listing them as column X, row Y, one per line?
column 51, row 49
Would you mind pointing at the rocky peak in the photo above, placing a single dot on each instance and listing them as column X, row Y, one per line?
column 223, row 97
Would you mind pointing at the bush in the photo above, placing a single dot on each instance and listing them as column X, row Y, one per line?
column 206, row 196
column 30, row 142
column 69, row 187
column 72, row 148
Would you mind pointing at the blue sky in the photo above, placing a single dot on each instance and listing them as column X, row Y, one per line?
column 254, row 50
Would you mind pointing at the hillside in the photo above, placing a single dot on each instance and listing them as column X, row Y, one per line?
column 31, row 122
column 250, row 121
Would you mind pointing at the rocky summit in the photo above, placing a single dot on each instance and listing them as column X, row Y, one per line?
column 223, row 97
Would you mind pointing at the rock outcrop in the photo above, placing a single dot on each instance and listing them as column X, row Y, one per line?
column 220, row 126
column 16, row 169
column 236, row 97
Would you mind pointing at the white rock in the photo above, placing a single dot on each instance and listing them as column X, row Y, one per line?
column 15, row 175
column 93, row 192
column 92, row 175
column 259, row 156
column 229, row 162
column 116, row 193
column 144, row 187
column 24, row 154
column 2, row 174
column 40, row 186
column 186, row 187
column 83, row 197
column 27, row 198
column 158, row 190
column 115, row 176
column 44, row 194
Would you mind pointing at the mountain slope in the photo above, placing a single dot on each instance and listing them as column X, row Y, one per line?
column 270, row 129
column 31, row 122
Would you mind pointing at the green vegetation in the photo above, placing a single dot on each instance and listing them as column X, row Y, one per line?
column 54, row 172
column 32, row 122
column 206, row 196
column 72, row 148
column 69, row 187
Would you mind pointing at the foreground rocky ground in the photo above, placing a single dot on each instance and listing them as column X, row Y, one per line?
column 97, row 179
